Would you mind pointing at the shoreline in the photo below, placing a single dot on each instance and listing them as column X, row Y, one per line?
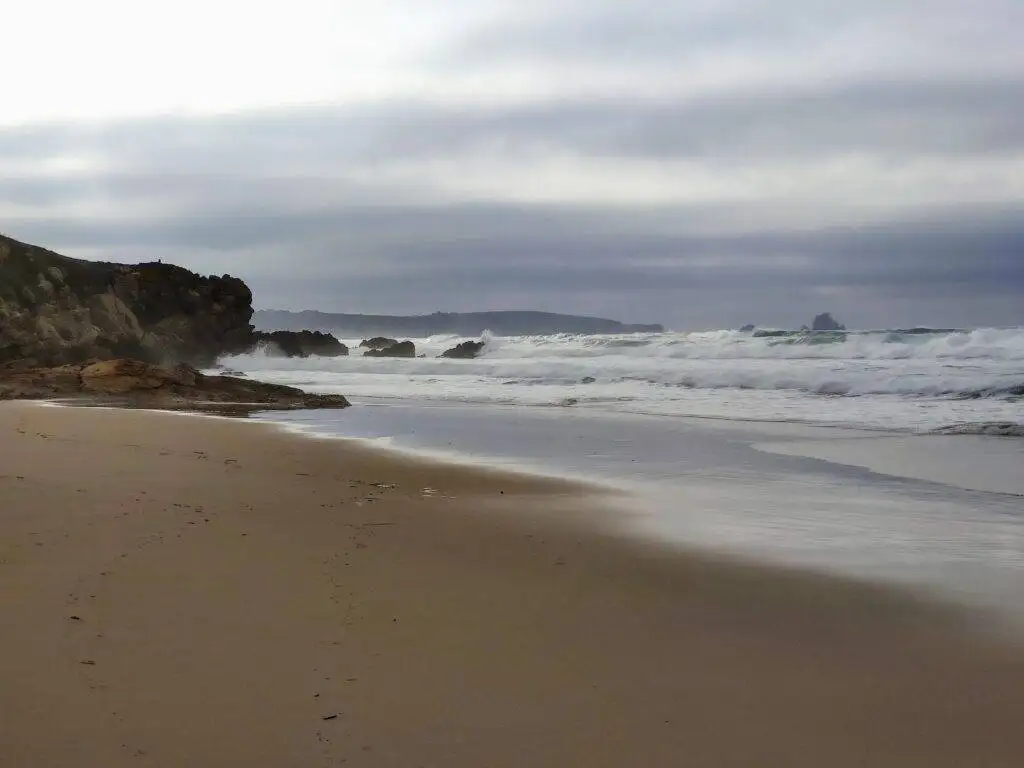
column 701, row 486
column 189, row 592
column 788, row 438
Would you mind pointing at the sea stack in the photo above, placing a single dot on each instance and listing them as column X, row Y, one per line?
column 825, row 322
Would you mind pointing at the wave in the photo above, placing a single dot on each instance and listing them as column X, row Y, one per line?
column 819, row 377
column 1013, row 391
column 891, row 334
column 984, row 428
column 924, row 344
column 913, row 378
column 860, row 386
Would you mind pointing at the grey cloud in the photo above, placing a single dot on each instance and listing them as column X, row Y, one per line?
column 326, row 207
column 599, row 32
column 885, row 119
column 558, row 263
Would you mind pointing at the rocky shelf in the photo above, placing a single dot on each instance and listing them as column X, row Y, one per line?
column 126, row 382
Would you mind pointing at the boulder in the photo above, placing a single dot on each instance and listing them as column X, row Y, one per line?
column 378, row 342
column 748, row 328
column 398, row 349
column 467, row 350
column 125, row 375
column 825, row 322
column 301, row 343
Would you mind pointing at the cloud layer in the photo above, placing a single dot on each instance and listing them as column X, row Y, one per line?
column 703, row 166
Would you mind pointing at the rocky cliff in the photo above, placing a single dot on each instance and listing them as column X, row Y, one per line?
column 56, row 310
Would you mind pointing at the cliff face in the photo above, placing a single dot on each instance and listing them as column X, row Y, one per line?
column 56, row 310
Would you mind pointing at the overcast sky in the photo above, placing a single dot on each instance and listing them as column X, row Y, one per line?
column 703, row 164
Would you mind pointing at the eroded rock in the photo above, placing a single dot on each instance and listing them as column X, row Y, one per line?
column 399, row 349
column 467, row 350
column 302, row 343
column 141, row 384
column 378, row 342
column 56, row 310
column 825, row 322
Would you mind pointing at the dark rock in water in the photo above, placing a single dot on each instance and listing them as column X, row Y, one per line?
column 302, row 343
column 825, row 322
column 748, row 328
column 587, row 380
column 398, row 349
column 378, row 342
column 55, row 310
column 774, row 334
column 467, row 350
column 141, row 384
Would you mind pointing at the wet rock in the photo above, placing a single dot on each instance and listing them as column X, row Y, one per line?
column 301, row 343
column 398, row 349
column 467, row 350
column 378, row 342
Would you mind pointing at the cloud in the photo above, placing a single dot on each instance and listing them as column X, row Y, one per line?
column 707, row 163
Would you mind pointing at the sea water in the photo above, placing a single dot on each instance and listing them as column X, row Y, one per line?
column 903, row 380
column 807, row 450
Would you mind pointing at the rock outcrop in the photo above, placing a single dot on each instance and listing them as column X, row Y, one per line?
column 398, row 349
column 467, row 350
column 825, row 322
column 377, row 342
column 748, row 328
column 55, row 310
column 139, row 384
column 301, row 343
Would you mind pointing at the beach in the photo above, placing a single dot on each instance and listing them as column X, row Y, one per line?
column 179, row 590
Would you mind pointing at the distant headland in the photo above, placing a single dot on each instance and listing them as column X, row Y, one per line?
column 505, row 323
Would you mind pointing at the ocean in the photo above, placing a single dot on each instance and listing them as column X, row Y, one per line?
column 894, row 380
column 868, row 454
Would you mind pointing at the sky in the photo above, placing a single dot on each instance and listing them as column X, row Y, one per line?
column 702, row 164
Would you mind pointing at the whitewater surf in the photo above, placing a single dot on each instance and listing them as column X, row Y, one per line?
column 910, row 380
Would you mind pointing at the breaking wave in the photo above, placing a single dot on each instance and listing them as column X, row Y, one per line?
column 918, row 378
column 989, row 428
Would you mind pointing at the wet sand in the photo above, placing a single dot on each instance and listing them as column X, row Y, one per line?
column 184, row 591
column 994, row 464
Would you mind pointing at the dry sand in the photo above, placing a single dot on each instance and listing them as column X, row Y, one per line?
column 178, row 591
